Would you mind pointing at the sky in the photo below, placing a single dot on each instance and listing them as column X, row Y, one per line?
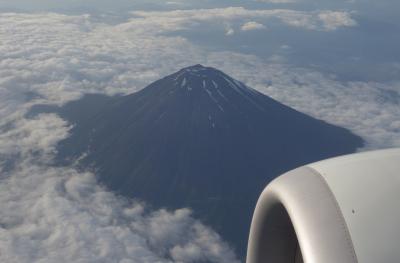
column 334, row 60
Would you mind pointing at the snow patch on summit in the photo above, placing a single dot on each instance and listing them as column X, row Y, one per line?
column 218, row 91
column 214, row 99
column 215, row 83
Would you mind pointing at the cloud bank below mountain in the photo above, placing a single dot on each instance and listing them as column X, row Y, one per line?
column 57, row 214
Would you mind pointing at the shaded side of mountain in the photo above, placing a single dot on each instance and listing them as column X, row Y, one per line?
column 199, row 139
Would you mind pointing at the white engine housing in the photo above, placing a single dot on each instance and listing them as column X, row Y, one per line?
column 342, row 210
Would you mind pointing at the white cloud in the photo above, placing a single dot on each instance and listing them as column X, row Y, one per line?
column 30, row 136
column 56, row 214
column 252, row 25
column 333, row 20
column 162, row 21
column 229, row 31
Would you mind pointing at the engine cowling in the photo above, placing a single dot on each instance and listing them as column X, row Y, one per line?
column 341, row 210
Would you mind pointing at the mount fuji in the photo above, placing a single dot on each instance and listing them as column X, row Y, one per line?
column 197, row 138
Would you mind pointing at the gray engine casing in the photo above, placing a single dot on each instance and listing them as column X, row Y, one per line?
column 341, row 210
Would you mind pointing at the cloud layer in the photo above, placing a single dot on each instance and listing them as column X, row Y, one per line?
column 183, row 19
column 57, row 214
column 51, row 214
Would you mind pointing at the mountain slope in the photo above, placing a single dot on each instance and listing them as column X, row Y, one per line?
column 198, row 139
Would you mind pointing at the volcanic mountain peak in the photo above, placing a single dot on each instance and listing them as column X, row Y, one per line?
column 206, row 82
column 196, row 68
column 205, row 77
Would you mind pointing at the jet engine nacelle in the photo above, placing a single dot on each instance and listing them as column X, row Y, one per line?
column 342, row 210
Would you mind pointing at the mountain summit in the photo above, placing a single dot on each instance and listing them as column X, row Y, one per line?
column 200, row 139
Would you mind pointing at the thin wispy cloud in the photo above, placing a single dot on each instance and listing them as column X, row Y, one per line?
column 333, row 19
column 252, row 25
